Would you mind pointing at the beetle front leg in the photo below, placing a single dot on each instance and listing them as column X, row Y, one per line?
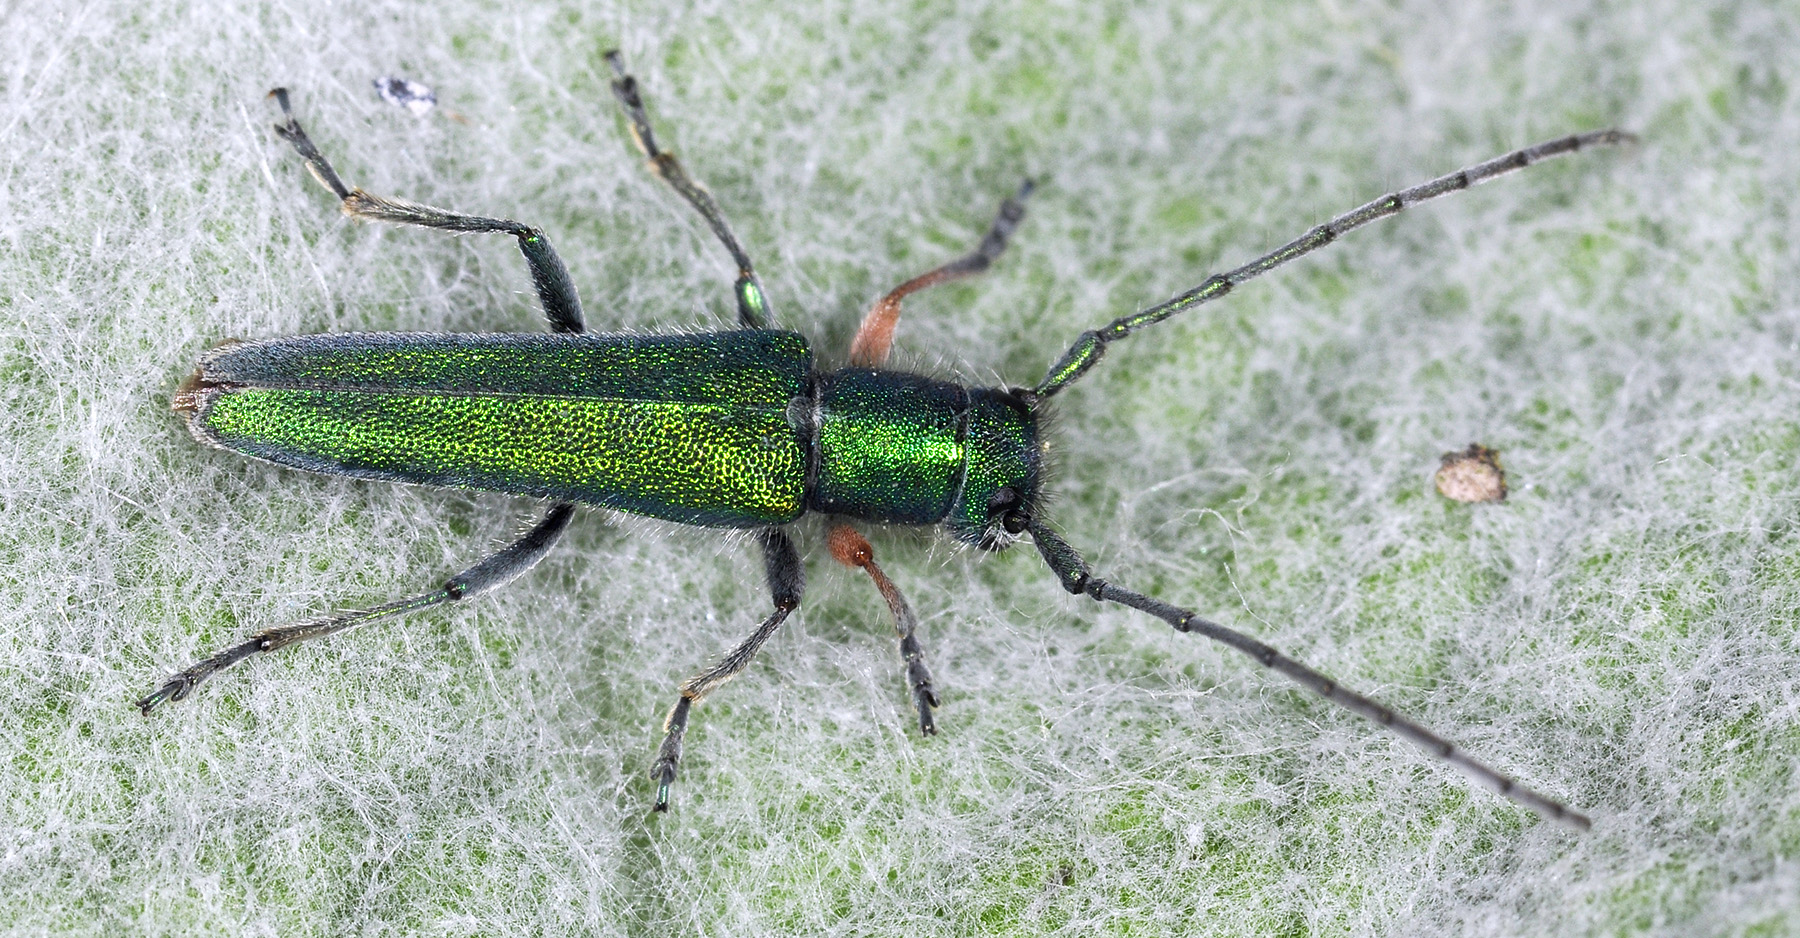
column 495, row 570
column 556, row 292
column 875, row 337
column 851, row 549
column 787, row 581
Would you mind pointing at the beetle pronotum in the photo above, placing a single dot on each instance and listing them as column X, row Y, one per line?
column 734, row 429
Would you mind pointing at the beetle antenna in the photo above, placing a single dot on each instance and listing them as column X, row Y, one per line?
column 1076, row 578
column 1091, row 345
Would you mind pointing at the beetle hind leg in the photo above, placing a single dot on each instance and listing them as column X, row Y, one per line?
column 851, row 549
column 495, row 570
column 556, row 292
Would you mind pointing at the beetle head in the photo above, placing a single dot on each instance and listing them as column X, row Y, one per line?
column 1004, row 465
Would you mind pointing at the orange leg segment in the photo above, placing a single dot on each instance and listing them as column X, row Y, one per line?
column 851, row 549
column 875, row 337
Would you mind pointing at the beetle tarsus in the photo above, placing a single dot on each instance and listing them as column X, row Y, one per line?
column 668, row 756
column 918, row 678
column 174, row 690
column 179, row 686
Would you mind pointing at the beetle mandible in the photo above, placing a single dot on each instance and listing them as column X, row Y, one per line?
column 730, row 430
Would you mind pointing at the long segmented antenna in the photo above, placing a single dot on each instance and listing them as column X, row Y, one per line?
column 1077, row 578
column 1091, row 345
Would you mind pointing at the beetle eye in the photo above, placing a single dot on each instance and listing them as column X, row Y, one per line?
column 1014, row 522
column 1003, row 498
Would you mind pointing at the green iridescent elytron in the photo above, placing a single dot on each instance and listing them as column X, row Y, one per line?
column 734, row 429
column 686, row 428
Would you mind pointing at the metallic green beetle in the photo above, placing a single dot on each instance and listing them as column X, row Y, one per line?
column 732, row 430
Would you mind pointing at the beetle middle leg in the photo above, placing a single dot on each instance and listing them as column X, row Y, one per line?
column 875, row 337
column 557, row 293
column 851, row 549
column 495, row 570
column 753, row 303
column 787, row 580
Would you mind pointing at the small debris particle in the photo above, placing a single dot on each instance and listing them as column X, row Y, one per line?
column 402, row 92
column 1473, row 475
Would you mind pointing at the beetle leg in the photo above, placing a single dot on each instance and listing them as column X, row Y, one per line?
column 753, row 303
column 787, row 580
column 557, row 293
column 851, row 549
column 1077, row 578
column 875, row 337
column 495, row 570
